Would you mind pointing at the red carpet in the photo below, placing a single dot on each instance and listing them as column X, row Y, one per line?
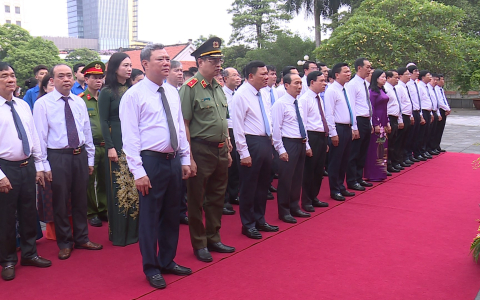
column 407, row 238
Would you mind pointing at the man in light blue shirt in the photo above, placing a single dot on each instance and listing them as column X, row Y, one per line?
column 31, row 95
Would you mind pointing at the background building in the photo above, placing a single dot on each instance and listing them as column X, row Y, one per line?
column 12, row 12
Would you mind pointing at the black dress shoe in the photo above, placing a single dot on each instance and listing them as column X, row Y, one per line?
column 318, row 203
column 389, row 174
column 220, row 248
column 37, row 261
column 308, row 208
column 272, row 189
column 433, row 152
column 270, row 196
column 95, row 222
column 203, row 255
column 427, row 155
column 420, row 158
column 267, row 227
column 442, row 150
column 8, row 272
column 177, row 270
column 288, row 219
column 184, row 220
column 157, row 281
column 337, row 196
column 299, row 214
column 365, row 184
column 251, row 233
column 227, row 211
column 346, row 193
column 275, row 176
column 414, row 159
column 103, row 217
column 325, row 173
column 405, row 165
column 392, row 170
column 409, row 162
column 235, row 201
column 399, row 167
column 356, row 187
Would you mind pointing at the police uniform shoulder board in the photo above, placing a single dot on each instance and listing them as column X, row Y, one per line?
column 191, row 83
column 81, row 94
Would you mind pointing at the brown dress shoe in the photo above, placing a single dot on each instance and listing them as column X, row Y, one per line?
column 8, row 272
column 89, row 246
column 37, row 261
column 64, row 253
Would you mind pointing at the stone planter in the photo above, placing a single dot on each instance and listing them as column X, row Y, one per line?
column 476, row 103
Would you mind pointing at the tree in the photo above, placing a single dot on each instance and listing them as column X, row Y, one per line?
column 235, row 56
column 11, row 37
column 82, row 55
column 256, row 21
column 202, row 39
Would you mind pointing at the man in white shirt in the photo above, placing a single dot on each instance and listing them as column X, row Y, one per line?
column 425, row 77
column 232, row 81
column 407, row 115
column 308, row 67
column 175, row 76
column 290, row 141
column 394, row 112
column 252, row 128
column 317, row 129
column 431, row 143
column 281, row 88
column 342, row 127
column 20, row 167
column 415, row 138
column 357, row 88
column 68, row 153
column 158, row 156
column 444, row 108
column 272, row 92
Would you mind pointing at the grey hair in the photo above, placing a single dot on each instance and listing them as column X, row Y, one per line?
column 225, row 73
column 147, row 51
column 174, row 64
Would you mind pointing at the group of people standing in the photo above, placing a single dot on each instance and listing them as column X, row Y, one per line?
column 141, row 153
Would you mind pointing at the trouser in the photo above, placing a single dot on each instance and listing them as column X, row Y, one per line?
column 290, row 176
column 97, row 195
column 314, row 166
column 426, row 129
column 21, row 199
column 338, row 157
column 158, row 214
column 440, row 129
column 233, row 185
column 402, row 138
column 414, row 138
column 274, row 169
column 206, row 192
column 392, row 141
column 255, row 181
column 183, row 199
column 69, row 180
column 432, row 135
column 358, row 152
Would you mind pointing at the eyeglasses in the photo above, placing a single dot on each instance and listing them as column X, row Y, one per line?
column 215, row 61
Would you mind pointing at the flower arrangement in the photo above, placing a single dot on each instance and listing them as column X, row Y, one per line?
column 127, row 193
column 475, row 247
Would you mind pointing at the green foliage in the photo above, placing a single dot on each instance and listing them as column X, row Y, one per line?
column 202, row 39
column 11, row 37
column 467, row 75
column 256, row 21
column 82, row 55
column 235, row 56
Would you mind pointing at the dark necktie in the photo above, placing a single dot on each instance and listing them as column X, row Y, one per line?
column 322, row 114
column 409, row 97
column 72, row 133
column 398, row 100
column 443, row 96
column 168, row 113
column 22, row 135
column 349, row 108
column 418, row 95
column 430, row 96
column 300, row 121
column 368, row 98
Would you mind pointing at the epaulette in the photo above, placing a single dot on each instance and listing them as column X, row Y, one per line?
column 203, row 83
column 193, row 81
column 81, row 94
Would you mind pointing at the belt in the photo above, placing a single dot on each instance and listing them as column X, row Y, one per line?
column 340, row 124
column 320, row 133
column 21, row 163
column 163, row 155
column 417, row 110
column 74, row 151
column 212, row 144
column 297, row 140
column 100, row 144
column 426, row 110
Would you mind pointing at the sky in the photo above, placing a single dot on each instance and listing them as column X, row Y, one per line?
column 168, row 23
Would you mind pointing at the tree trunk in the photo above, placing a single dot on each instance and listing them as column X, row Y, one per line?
column 259, row 35
column 318, row 27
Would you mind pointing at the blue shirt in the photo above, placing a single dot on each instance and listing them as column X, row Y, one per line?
column 31, row 96
column 77, row 88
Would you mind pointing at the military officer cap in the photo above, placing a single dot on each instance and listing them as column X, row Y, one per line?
column 94, row 68
column 210, row 48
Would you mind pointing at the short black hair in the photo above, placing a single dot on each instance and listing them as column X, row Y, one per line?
column 402, row 70
column 320, row 65
column 77, row 66
column 193, row 70
column 135, row 73
column 252, row 67
column 38, row 68
column 313, row 76
column 359, row 62
column 4, row 66
column 330, row 75
column 271, row 68
column 390, row 74
column 435, row 75
column 287, row 70
column 422, row 74
column 185, row 73
column 287, row 78
column 337, row 68
column 412, row 68
column 440, row 76
column 307, row 64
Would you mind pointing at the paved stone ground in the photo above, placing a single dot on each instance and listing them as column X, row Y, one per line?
column 462, row 131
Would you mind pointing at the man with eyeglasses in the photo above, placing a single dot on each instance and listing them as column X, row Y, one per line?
column 205, row 112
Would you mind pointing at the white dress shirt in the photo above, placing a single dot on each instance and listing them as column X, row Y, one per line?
column 412, row 90
column 393, row 107
column 311, row 111
column 356, row 88
column 11, row 147
column 442, row 100
column 404, row 99
column 336, row 108
column 229, row 94
column 49, row 116
column 424, row 96
column 248, row 118
column 274, row 91
column 145, row 126
column 305, row 87
column 434, row 97
column 285, row 123
column 281, row 91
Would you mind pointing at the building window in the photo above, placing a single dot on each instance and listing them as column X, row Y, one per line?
column 17, row 10
column 19, row 23
column 7, row 8
column 8, row 21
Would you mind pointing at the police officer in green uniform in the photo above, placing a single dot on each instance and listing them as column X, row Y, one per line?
column 96, row 194
column 204, row 107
